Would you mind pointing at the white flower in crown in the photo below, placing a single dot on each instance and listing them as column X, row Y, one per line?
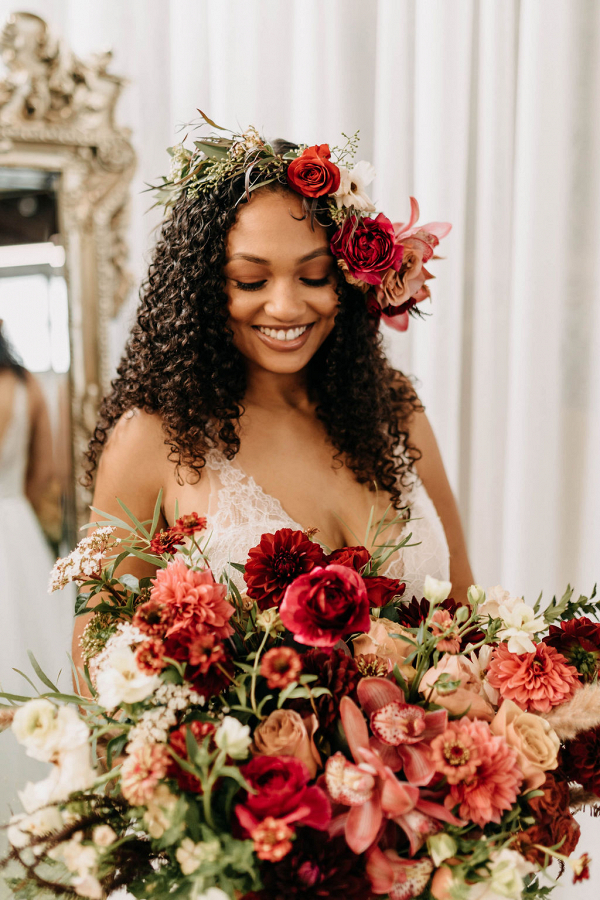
column 352, row 189
column 121, row 681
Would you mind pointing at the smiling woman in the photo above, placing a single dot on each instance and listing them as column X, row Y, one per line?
column 252, row 343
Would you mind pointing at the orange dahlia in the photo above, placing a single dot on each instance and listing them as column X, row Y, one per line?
column 535, row 681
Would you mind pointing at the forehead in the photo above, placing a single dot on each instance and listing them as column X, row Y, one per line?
column 271, row 224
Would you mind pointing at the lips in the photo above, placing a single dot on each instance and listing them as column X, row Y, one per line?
column 284, row 338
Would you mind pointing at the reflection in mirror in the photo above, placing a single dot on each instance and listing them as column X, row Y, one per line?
column 35, row 333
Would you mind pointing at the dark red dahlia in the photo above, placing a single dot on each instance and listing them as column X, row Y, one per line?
column 317, row 868
column 412, row 614
column 579, row 642
column 581, row 760
column 177, row 741
column 276, row 562
column 334, row 670
column 166, row 541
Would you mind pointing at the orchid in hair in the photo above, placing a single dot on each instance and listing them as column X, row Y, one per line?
column 385, row 260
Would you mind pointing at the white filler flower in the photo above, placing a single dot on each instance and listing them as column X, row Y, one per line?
column 121, row 681
column 520, row 624
column 233, row 737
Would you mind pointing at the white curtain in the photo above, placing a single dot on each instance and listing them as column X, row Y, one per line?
column 488, row 112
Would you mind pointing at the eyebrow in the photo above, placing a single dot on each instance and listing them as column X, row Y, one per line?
column 322, row 251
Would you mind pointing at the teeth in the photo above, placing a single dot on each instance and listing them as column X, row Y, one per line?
column 280, row 335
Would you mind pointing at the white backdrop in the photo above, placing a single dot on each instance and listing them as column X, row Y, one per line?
column 488, row 112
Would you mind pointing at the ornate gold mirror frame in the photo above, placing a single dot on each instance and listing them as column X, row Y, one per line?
column 57, row 115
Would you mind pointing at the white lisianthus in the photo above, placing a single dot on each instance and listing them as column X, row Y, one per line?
column 121, row 681
column 46, row 732
column 73, row 773
column 352, row 189
column 39, row 817
column 233, row 737
column 507, row 870
column 436, row 591
column 190, row 855
column 441, row 846
column 520, row 624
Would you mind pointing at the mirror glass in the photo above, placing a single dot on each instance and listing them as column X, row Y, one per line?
column 34, row 311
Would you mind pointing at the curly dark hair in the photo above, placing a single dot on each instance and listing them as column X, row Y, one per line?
column 180, row 360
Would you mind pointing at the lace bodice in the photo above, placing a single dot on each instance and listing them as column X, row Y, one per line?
column 239, row 511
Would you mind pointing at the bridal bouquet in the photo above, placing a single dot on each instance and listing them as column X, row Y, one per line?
column 314, row 735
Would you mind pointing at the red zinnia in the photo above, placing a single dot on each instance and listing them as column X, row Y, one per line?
column 535, row 681
column 190, row 524
column 150, row 656
column 280, row 666
column 166, row 541
column 276, row 562
column 153, row 618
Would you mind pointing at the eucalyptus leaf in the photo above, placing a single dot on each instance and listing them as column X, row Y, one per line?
column 40, row 674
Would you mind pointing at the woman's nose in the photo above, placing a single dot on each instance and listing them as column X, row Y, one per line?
column 284, row 301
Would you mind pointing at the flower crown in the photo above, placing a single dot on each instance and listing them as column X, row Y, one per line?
column 385, row 260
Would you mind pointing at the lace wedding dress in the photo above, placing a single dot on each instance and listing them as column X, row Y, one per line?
column 239, row 511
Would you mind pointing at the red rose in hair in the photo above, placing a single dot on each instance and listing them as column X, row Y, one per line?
column 312, row 174
column 276, row 561
column 579, row 642
column 382, row 590
column 324, row 605
column 281, row 786
column 353, row 557
column 367, row 248
column 177, row 741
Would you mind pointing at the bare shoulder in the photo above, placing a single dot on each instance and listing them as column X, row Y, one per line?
column 135, row 455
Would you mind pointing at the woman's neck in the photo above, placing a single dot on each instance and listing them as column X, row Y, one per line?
column 274, row 391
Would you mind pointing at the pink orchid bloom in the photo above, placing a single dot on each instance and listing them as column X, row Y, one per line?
column 401, row 878
column 402, row 732
column 437, row 229
column 378, row 797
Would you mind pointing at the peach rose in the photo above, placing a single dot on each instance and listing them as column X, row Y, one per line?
column 467, row 696
column 535, row 741
column 286, row 733
column 379, row 641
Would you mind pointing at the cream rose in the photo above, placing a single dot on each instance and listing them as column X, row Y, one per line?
column 467, row 699
column 379, row 641
column 286, row 733
column 535, row 741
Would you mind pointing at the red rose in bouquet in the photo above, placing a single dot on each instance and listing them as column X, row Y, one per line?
column 276, row 562
column 367, row 248
column 353, row 557
column 282, row 792
column 382, row 590
column 325, row 605
column 312, row 174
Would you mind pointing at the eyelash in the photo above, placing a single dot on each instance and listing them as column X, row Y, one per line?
column 256, row 285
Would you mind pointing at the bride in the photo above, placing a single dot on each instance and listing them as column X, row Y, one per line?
column 254, row 389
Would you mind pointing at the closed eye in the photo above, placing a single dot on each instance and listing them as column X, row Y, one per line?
column 256, row 285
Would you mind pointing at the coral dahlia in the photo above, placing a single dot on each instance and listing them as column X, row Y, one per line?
column 494, row 785
column 535, row 681
column 195, row 598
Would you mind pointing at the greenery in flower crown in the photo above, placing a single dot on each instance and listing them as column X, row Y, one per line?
column 217, row 158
